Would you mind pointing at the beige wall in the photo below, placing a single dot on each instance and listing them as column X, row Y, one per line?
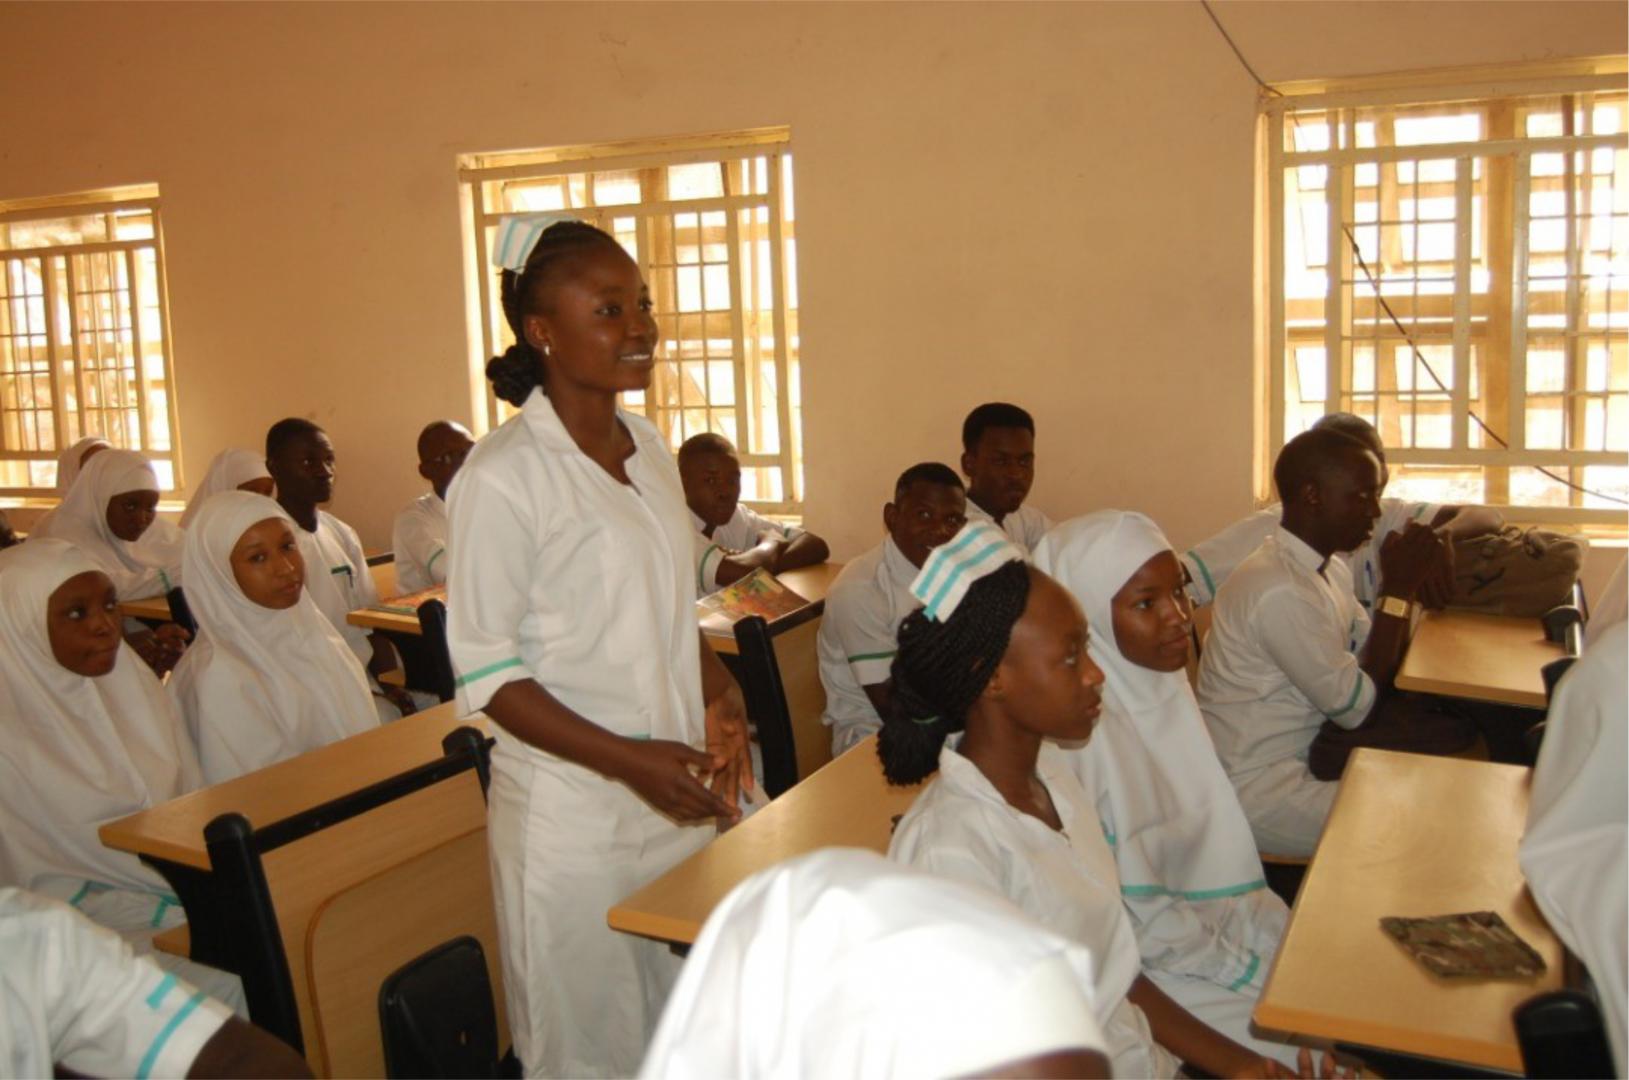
column 1050, row 204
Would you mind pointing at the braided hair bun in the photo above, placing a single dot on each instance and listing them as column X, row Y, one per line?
column 941, row 668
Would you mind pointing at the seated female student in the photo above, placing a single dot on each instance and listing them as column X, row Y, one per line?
column 1207, row 926
column 232, row 470
column 111, row 514
column 71, row 460
column 268, row 678
column 89, row 738
column 998, row 652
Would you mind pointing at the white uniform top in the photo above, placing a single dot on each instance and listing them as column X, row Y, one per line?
column 1282, row 656
column 841, row 964
column 150, row 566
column 78, row 752
column 858, row 637
column 337, row 578
column 1612, row 606
column 1024, row 526
column 1183, row 849
column 73, row 994
column 1211, row 562
column 961, row 828
column 420, row 542
column 258, row 685
column 561, row 574
column 1574, row 852
column 745, row 529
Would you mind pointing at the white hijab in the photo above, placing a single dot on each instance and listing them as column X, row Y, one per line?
column 841, row 963
column 1178, row 829
column 69, row 461
column 230, row 469
column 75, row 752
column 148, row 567
column 259, row 685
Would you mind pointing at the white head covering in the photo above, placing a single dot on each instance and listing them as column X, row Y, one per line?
column 841, row 963
column 1178, row 826
column 147, row 567
column 75, row 752
column 230, row 469
column 68, row 462
column 259, row 685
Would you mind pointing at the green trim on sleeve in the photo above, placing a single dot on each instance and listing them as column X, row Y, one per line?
column 150, row 1058
column 1204, row 572
column 490, row 669
column 1197, row 894
column 862, row 657
column 439, row 552
column 1249, row 973
column 701, row 569
column 1357, row 691
column 161, row 991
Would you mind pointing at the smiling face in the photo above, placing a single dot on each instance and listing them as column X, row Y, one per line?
column 82, row 624
column 267, row 565
column 131, row 513
column 303, row 469
column 1000, row 469
column 1047, row 680
column 1152, row 615
column 595, row 326
column 712, row 485
column 924, row 516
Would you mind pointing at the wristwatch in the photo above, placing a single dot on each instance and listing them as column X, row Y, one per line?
column 1395, row 605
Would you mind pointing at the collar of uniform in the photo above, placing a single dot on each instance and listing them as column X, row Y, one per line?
column 975, row 512
column 435, row 502
column 962, row 776
column 899, row 567
column 545, row 425
column 696, row 522
column 1299, row 550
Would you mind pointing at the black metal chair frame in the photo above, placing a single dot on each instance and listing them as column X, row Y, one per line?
column 765, row 693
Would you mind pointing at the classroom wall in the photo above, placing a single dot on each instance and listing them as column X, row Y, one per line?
column 1045, row 203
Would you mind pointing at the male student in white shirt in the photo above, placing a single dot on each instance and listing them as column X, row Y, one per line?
column 1209, row 563
column 301, row 460
column 75, row 1000
column 419, row 537
column 856, row 642
column 998, row 459
column 1292, row 660
column 735, row 540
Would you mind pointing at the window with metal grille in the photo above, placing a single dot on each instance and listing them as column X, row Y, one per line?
column 84, row 336
column 709, row 220
column 1453, row 265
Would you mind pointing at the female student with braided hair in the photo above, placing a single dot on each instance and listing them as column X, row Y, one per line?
column 620, row 736
column 998, row 654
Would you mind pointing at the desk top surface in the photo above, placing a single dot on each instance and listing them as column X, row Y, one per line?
column 847, row 803
column 1493, row 658
column 175, row 830
column 1410, row 835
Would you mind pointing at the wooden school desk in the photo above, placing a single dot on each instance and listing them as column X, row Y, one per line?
column 303, row 876
column 810, row 582
column 846, row 804
column 1409, row 835
column 1492, row 658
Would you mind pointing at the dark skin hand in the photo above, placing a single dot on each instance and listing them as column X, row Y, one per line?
column 162, row 648
column 239, row 1049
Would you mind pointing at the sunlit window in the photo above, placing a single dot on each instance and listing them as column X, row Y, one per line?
column 710, row 223
column 84, row 336
column 1457, row 271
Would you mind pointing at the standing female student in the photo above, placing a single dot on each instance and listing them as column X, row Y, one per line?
column 572, row 625
column 998, row 652
column 232, row 470
column 86, row 737
column 1207, row 925
column 268, row 678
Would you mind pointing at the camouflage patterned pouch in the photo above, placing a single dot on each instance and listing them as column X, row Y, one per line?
column 1476, row 943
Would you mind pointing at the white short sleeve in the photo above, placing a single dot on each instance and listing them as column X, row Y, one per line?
column 489, row 585
column 868, row 642
column 74, row 994
column 709, row 557
column 1313, row 654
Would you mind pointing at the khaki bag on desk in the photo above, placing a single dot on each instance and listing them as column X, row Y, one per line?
column 1522, row 572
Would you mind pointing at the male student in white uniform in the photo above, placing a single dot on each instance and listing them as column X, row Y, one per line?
column 301, row 460
column 1292, row 659
column 998, row 459
column 1209, row 563
column 419, row 537
column 856, row 642
column 735, row 539
column 75, row 1000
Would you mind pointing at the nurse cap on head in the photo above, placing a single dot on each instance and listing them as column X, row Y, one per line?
column 841, row 963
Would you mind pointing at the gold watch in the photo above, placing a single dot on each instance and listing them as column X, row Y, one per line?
column 1396, row 605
